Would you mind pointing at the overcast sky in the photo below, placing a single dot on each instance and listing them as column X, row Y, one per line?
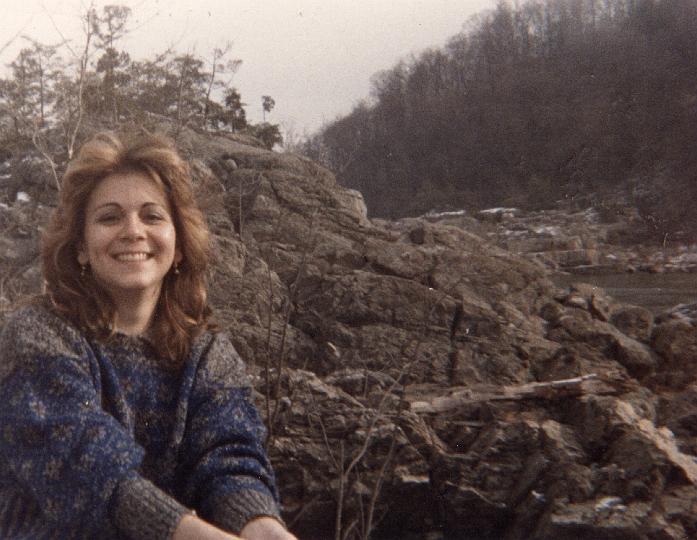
column 314, row 57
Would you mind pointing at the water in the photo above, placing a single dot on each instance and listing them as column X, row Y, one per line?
column 656, row 292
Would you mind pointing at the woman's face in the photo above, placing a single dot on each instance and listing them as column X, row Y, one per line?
column 129, row 240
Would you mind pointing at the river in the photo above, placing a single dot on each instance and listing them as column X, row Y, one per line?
column 656, row 292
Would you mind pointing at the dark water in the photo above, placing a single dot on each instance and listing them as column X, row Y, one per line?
column 656, row 292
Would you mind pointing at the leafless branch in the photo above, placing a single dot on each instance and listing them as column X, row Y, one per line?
column 292, row 291
column 538, row 390
column 44, row 152
column 83, row 59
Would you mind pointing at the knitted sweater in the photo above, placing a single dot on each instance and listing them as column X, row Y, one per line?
column 99, row 441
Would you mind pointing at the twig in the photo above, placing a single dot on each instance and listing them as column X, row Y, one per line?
column 377, row 488
column 286, row 323
column 305, row 507
column 267, row 365
column 81, row 85
column 13, row 38
column 340, row 494
column 46, row 155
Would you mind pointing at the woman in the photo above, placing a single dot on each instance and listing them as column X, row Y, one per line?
column 123, row 413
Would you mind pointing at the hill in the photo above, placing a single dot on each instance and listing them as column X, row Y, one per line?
column 581, row 101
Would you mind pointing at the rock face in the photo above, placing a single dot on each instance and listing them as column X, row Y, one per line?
column 353, row 328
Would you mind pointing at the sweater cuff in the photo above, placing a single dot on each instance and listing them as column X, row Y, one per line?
column 235, row 510
column 141, row 510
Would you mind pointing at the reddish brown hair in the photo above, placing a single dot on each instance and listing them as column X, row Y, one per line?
column 182, row 311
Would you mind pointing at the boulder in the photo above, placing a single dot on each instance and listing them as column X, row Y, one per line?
column 674, row 338
column 633, row 321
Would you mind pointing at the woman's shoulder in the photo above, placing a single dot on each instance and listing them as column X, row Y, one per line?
column 220, row 362
column 36, row 327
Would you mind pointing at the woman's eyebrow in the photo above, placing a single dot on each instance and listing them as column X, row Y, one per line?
column 104, row 205
column 117, row 205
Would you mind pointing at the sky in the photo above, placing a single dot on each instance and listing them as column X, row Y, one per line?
column 314, row 57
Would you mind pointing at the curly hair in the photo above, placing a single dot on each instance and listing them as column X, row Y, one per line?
column 182, row 311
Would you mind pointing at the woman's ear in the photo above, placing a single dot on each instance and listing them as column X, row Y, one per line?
column 82, row 257
column 178, row 257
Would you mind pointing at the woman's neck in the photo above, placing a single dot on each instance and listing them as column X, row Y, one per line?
column 134, row 313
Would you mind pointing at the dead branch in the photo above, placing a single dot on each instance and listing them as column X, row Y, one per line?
column 88, row 21
column 44, row 152
column 308, row 248
column 586, row 384
column 267, row 363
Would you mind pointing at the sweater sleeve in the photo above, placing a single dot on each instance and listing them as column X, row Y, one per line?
column 230, row 480
column 61, row 449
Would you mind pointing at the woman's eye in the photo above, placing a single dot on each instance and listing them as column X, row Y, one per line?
column 154, row 217
column 107, row 218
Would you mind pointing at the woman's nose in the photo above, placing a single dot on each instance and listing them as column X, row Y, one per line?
column 133, row 227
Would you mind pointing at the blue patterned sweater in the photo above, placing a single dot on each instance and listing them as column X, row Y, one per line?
column 99, row 441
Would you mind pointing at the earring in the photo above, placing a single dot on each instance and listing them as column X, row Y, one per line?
column 83, row 270
column 176, row 269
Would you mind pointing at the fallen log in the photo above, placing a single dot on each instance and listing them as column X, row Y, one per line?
column 562, row 388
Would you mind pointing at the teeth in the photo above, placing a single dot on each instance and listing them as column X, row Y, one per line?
column 129, row 257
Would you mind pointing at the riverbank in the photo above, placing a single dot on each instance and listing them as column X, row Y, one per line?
column 610, row 252
column 583, row 241
column 655, row 292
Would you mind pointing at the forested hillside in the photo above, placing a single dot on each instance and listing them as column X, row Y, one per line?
column 53, row 96
column 534, row 102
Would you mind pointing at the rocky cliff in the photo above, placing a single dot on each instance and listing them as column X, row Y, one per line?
column 420, row 382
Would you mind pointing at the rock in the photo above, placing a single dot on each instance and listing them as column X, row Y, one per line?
column 579, row 242
column 552, row 311
column 497, row 215
column 674, row 338
column 599, row 303
column 576, row 300
column 636, row 357
column 633, row 321
column 544, row 243
column 575, row 257
column 602, row 518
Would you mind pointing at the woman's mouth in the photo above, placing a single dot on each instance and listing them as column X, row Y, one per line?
column 132, row 257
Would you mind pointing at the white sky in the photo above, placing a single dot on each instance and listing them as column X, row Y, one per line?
column 314, row 57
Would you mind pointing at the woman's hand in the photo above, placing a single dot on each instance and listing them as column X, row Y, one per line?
column 265, row 528
column 193, row 528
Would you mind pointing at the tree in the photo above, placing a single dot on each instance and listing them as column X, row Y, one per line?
column 189, row 79
column 41, row 61
column 269, row 134
column 267, row 105
column 233, row 114
column 535, row 100
column 108, row 29
column 150, row 88
column 219, row 65
column 81, row 59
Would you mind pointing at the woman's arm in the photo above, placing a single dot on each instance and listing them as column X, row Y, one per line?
column 265, row 528
column 193, row 528
column 229, row 481
column 59, row 448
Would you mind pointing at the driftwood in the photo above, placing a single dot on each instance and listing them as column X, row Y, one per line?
column 586, row 384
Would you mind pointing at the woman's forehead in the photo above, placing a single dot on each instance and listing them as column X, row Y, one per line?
column 126, row 189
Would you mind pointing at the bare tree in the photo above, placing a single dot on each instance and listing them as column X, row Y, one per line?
column 88, row 26
column 219, row 65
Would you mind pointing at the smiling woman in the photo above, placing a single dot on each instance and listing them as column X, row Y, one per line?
column 101, row 188
column 129, row 243
column 124, row 413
